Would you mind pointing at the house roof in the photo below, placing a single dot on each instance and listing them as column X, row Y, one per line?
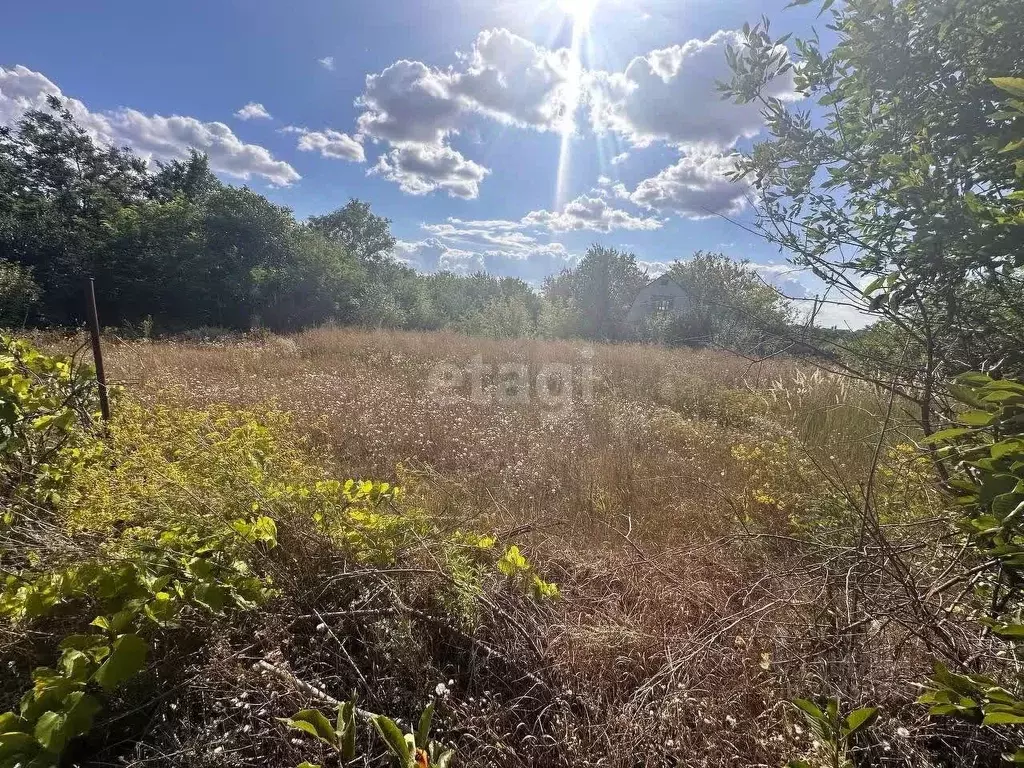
column 663, row 278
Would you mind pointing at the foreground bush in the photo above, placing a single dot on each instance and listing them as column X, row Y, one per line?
column 131, row 553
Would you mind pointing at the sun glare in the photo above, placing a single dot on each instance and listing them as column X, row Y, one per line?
column 580, row 10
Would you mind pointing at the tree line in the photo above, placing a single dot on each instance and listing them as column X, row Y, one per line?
column 172, row 248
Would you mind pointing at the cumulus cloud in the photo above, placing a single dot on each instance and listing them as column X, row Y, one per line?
column 500, row 234
column 593, row 213
column 531, row 265
column 504, row 76
column 419, row 169
column 253, row 111
column 332, row 144
column 670, row 95
column 408, row 102
column 151, row 136
column 696, row 187
column 327, row 62
column 517, row 82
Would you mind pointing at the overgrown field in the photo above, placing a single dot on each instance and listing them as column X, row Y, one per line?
column 702, row 516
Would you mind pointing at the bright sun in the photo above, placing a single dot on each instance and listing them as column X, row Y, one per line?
column 580, row 10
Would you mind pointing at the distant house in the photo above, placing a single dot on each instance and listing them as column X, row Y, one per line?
column 663, row 295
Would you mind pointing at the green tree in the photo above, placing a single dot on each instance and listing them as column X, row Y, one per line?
column 18, row 294
column 730, row 305
column 602, row 288
column 884, row 179
column 58, row 190
column 358, row 229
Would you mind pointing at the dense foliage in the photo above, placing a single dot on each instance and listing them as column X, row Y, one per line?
column 895, row 176
column 902, row 183
column 121, row 543
column 172, row 248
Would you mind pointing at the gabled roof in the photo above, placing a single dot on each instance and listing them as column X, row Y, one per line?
column 664, row 279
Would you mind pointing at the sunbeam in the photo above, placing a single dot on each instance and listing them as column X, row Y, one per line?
column 580, row 11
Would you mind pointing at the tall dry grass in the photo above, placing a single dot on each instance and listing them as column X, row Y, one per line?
column 682, row 631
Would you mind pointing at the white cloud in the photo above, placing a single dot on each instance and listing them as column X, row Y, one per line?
column 151, row 136
column 504, row 77
column 484, row 233
column 838, row 315
column 620, row 158
column 332, row 144
column 517, row 82
column 670, row 95
column 408, row 102
column 696, row 187
column 530, row 265
column 431, row 255
column 419, row 169
column 327, row 62
column 253, row 111
column 593, row 213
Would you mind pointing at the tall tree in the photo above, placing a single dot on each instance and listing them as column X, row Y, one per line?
column 58, row 190
column 602, row 288
column 884, row 179
column 730, row 305
column 358, row 229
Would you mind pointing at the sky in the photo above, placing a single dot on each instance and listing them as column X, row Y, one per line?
column 503, row 135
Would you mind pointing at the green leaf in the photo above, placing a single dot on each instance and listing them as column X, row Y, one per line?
column 874, row 285
column 1002, row 718
column 127, row 659
column 393, row 736
column 423, row 729
column 976, row 418
column 17, row 743
column 51, row 731
column 315, row 723
column 944, row 435
column 809, row 707
column 1009, row 631
column 512, row 562
column 305, row 764
column 860, row 718
column 10, row 722
column 81, row 709
column 347, row 728
column 1012, row 85
column 211, row 596
column 1007, row 447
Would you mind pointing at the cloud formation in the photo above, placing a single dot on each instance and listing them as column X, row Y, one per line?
column 670, row 95
column 419, row 169
column 531, row 264
column 327, row 62
column 516, row 82
column 253, row 111
column 667, row 95
column 151, row 136
column 594, row 213
column 697, row 187
column 329, row 143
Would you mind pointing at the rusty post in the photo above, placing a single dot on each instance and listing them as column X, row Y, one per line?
column 97, row 350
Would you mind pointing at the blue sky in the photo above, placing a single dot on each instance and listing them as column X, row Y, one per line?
column 507, row 135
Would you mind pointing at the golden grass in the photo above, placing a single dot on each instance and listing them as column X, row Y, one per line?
column 630, row 496
column 648, row 453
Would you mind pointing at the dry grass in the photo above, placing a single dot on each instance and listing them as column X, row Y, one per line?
column 683, row 629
